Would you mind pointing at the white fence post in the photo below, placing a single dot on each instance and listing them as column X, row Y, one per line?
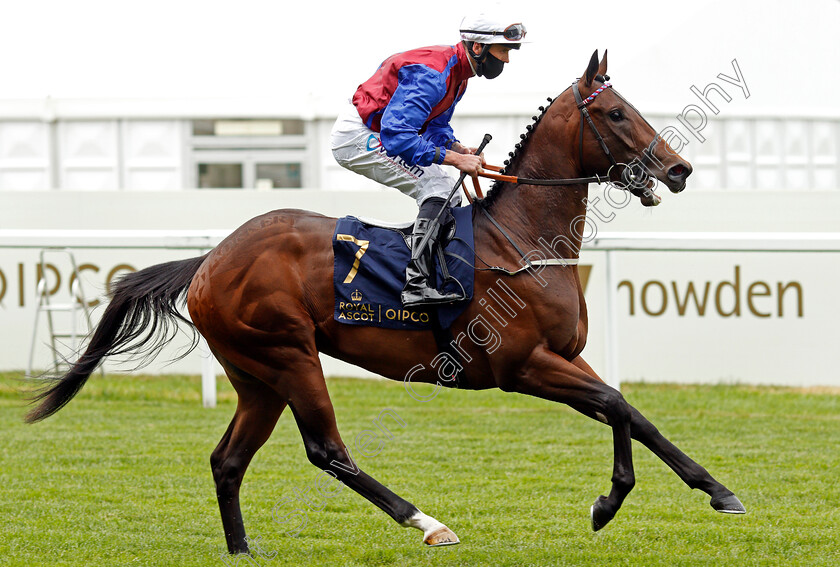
column 208, row 375
column 613, row 377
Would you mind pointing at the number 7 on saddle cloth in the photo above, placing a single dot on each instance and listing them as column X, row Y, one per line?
column 369, row 274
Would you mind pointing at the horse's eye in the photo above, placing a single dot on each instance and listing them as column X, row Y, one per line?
column 616, row 115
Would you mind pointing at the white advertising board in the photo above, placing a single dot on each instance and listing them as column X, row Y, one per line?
column 760, row 317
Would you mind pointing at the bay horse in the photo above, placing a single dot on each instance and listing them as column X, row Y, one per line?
column 263, row 299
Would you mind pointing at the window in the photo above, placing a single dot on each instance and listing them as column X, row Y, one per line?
column 220, row 176
column 278, row 175
column 235, row 127
column 266, row 153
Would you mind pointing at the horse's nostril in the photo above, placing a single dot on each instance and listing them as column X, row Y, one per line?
column 678, row 171
column 678, row 174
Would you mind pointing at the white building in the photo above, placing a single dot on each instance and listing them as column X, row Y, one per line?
column 175, row 145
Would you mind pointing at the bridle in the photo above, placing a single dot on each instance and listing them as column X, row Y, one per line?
column 630, row 174
column 584, row 115
column 635, row 170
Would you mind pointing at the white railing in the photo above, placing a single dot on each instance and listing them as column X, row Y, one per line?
column 112, row 239
column 718, row 241
column 611, row 243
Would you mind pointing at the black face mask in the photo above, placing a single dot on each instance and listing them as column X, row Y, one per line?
column 490, row 67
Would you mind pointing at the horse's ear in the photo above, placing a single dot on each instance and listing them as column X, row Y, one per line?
column 602, row 68
column 591, row 69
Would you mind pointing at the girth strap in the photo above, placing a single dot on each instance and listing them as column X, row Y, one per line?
column 444, row 340
column 529, row 265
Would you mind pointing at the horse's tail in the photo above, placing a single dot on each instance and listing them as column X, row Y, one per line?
column 141, row 318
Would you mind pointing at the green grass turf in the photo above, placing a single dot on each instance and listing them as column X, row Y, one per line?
column 121, row 477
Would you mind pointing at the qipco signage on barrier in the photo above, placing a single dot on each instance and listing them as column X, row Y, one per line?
column 18, row 281
column 97, row 271
column 21, row 270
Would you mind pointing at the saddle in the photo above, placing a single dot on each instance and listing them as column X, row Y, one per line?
column 369, row 272
column 407, row 229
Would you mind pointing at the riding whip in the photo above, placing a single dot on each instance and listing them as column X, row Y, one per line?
column 436, row 221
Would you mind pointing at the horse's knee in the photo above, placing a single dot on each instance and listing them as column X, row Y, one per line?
column 227, row 473
column 216, row 466
column 323, row 453
column 616, row 408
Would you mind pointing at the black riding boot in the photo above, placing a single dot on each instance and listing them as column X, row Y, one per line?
column 420, row 272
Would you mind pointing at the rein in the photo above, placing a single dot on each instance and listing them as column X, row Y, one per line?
column 544, row 182
column 584, row 116
column 630, row 175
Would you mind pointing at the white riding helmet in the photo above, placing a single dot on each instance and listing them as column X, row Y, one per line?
column 486, row 29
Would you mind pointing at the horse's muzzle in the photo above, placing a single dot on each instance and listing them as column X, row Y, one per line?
column 677, row 176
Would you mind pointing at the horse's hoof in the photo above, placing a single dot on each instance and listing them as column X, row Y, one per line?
column 599, row 514
column 441, row 536
column 728, row 505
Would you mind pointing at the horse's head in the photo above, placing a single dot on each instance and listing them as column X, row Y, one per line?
column 615, row 138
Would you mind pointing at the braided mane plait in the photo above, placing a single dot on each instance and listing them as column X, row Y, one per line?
column 515, row 154
column 495, row 189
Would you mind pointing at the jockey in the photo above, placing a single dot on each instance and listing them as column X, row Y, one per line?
column 395, row 130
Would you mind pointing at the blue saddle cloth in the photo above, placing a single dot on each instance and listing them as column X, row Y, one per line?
column 369, row 274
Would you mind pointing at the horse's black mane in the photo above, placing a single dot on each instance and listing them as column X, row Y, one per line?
column 495, row 189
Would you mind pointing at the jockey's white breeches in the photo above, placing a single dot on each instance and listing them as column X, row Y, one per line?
column 359, row 149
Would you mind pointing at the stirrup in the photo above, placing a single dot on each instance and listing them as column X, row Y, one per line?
column 427, row 296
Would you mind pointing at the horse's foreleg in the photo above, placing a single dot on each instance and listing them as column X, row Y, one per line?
column 550, row 376
column 694, row 475
column 313, row 411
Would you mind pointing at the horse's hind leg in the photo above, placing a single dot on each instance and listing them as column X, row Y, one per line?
column 313, row 411
column 257, row 411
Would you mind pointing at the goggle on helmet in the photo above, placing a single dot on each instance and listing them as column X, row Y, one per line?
column 487, row 30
